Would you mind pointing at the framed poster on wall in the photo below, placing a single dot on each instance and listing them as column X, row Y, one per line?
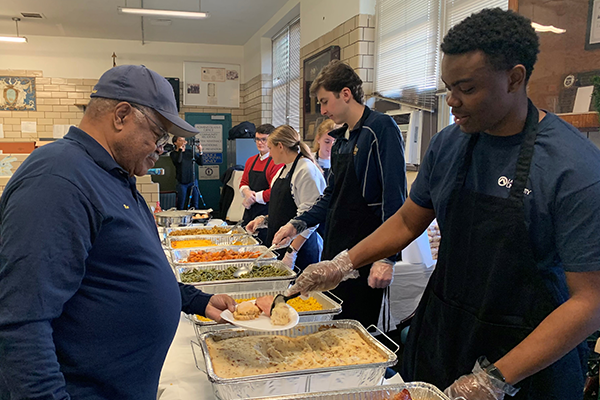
column 211, row 85
column 311, row 111
column 592, row 41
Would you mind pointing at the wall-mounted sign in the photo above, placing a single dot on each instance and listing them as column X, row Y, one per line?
column 211, row 137
column 208, row 172
column 210, row 84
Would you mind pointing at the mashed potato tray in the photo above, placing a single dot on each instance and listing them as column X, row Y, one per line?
column 295, row 382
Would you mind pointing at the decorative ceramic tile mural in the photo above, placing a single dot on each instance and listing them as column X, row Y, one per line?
column 17, row 93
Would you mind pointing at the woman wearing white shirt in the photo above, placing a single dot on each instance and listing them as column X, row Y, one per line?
column 322, row 146
column 293, row 190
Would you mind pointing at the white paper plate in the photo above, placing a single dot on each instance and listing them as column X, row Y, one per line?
column 262, row 323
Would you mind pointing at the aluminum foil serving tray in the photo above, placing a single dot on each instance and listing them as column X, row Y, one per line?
column 180, row 255
column 302, row 381
column 274, row 283
column 218, row 240
column 418, row 391
column 330, row 306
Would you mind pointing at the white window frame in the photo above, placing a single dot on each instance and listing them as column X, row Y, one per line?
column 292, row 104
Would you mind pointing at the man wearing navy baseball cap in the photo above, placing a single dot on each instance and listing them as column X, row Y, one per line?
column 91, row 311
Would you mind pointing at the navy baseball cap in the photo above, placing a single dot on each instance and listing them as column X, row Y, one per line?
column 140, row 85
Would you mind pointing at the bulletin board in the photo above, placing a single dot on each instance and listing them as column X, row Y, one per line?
column 211, row 85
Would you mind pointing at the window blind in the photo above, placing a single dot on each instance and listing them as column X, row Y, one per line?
column 406, row 55
column 409, row 33
column 286, row 76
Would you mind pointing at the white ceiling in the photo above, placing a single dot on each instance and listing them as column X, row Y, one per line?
column 231, row 22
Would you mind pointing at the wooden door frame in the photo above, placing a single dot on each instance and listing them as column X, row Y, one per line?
column 513, row 5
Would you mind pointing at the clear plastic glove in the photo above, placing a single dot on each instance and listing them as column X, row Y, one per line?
column 217, row 304
column 290, row 258
column 382, row 274
column 325, row 275
column 249, row 198
column 479, row 386
column 259, row 222
column 285, row 233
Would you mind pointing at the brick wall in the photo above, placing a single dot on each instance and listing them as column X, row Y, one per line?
column 256, row 100
column 356, row 38
column 61, row 101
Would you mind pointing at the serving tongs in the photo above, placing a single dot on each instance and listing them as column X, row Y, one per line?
column 246, row 269
column 233, row 228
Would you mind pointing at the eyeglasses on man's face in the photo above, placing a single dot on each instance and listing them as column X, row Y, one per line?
column 163, row 137
column 262, row 140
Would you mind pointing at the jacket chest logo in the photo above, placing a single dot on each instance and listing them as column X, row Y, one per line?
column 355, row 149
column 125, row 206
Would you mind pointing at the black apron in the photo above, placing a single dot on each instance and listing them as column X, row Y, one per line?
column 283, row 210
column 486, row 293
column 257, row 181
column 350, row 220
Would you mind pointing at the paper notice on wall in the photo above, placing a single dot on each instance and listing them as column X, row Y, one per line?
column 206, row 173
column 1, row 131
column 59, row 131
column 211, row 137
column 28, row 126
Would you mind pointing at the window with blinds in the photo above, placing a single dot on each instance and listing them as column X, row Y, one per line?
column 409, row 34
column 406, row 55
column 286, row 76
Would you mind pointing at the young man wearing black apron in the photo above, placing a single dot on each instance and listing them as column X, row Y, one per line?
column 515, row 190
column 366, row 186
column 255, row 185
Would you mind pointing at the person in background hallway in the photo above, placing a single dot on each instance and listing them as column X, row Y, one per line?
column 366, row 186
column 515, row 189
column 294, row 189
column 322, row 146
column 255, row 185
column 182, row 160
column 89, row 304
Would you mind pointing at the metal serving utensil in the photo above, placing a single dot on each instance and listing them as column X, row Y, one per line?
column 233, row 228
column 243, row 270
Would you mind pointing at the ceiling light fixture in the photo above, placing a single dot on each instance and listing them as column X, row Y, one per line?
column 14, row 39
column 547, row 28
column 149, row 12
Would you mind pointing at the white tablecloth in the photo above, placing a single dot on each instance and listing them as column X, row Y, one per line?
column 180, row 379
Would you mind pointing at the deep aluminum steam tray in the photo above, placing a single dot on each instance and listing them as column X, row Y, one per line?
column 274, row 283
column 302, row 381
column 181, row 255
column 218, row 240
column 330, row 306
column 417, row 390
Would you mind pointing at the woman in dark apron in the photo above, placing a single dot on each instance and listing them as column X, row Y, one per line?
column 297, row 185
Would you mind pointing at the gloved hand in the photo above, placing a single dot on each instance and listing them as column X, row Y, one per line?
column 479, row 386
column 325, row 275
column 217, row 304
column 290, row 258
column 287, row 232
column 249, row 198
column 257, row 223
column 382, row 274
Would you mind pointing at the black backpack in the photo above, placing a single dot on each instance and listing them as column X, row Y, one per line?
column 245, row 129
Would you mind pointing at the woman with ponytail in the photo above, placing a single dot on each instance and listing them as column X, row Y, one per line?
column 322, row 146
column 293, row 190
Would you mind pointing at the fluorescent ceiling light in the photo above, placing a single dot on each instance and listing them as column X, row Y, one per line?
column 148, row 12
column 547, row 28
column 14, row 39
